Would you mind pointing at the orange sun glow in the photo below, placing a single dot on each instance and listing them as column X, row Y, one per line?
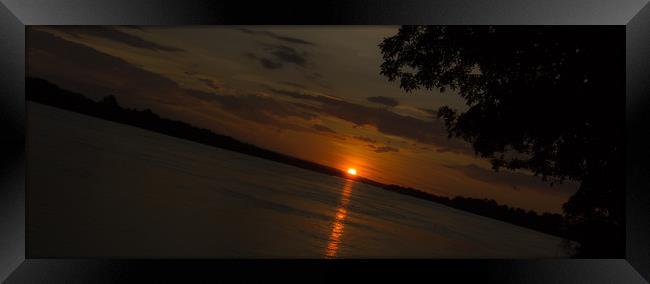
column 352, row 171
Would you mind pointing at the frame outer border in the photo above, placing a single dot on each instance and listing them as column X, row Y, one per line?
column 15, row 14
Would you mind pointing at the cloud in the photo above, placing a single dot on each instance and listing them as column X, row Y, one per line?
column 432, row 113
column 444, row 150
column 262, row 109
column 211, row 83
column 314, row 76
column 364, row 139
column 277, row 36
column 294, row 84
column 323, row 128
column 265, row 62
column 384, row 101
column 270, row 64
column 287, row 54
column 278, row 56
column 387, row 122
column 115, row 34
column 382, row 149
column 385, row 149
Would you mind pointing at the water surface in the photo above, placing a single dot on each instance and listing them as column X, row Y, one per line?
column 102, row 189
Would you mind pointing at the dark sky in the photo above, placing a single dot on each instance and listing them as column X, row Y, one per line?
column 312, row 92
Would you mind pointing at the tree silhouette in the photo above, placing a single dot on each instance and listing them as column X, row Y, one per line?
column 547, row 100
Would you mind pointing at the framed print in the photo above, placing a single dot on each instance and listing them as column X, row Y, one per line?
column 213, row 140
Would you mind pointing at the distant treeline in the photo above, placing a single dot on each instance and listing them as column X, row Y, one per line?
column 42, row 91
column 548, row 223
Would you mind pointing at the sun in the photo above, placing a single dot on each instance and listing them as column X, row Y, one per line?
column 352, row 171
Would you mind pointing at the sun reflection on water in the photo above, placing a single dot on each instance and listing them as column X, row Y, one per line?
column 338, row 224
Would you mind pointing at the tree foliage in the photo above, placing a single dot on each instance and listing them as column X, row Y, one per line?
column 549, row 100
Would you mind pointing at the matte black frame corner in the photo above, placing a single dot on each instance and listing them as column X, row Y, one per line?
column 632, row 15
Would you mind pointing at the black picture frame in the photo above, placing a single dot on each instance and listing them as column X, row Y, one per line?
column 17, row 267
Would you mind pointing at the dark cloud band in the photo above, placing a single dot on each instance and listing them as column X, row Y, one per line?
column 383, row 101
column 277, row 36
column 114, row 34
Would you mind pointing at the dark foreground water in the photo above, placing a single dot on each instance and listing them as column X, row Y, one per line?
column 101, row 189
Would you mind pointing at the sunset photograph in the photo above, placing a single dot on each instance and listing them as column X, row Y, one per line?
column 336, row 142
